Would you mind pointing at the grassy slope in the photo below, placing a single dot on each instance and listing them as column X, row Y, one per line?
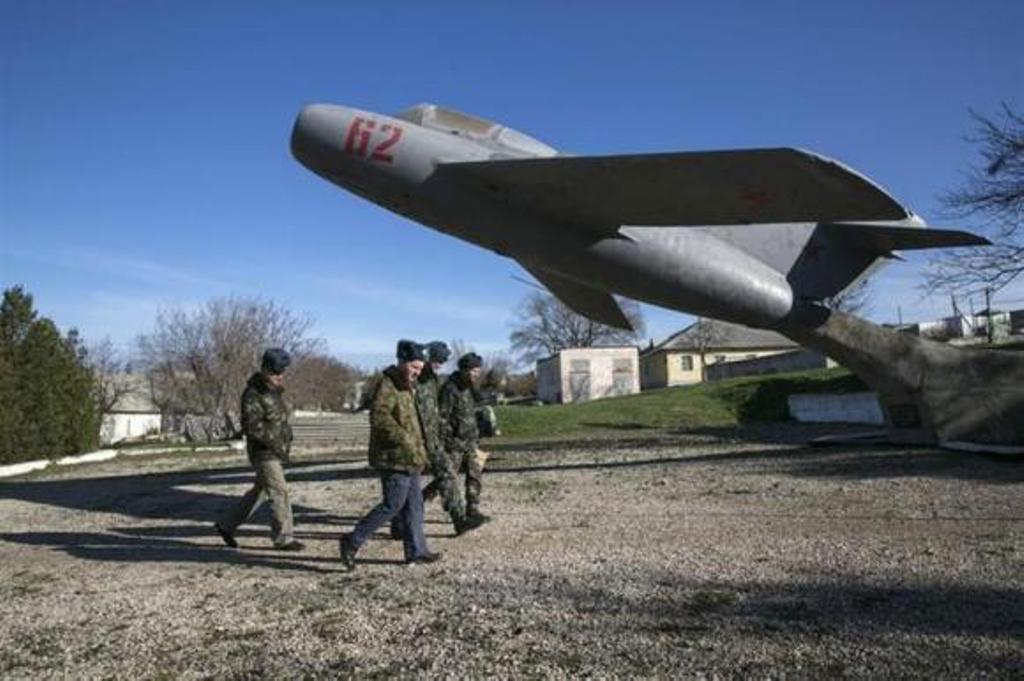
column 723, row 403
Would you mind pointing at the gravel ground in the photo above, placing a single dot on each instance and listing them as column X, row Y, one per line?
column 728, row 555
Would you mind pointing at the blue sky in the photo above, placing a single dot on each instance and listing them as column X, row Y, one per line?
column 144, row 145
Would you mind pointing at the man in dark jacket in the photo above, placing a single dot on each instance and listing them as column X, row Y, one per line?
column 268, row 441
column 399, row 456
column 460, row 432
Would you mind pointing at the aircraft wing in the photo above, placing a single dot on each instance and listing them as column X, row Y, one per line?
column 602, row 193
column 587, row 301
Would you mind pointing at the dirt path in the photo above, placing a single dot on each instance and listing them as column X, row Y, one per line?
column 674, row 556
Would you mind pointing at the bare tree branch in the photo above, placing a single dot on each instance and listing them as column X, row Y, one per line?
column 854, row 299
column 543, row 326
column 994, row 194
column 198, row 362
column 108, row 369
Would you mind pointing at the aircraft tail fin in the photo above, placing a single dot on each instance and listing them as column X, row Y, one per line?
column 838, row 253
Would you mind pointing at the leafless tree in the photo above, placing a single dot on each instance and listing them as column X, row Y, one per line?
column 109, row 370
column 321, row 382
column 993, row 194
column 495, row 371
column 855, row 299
column 543, row 326
column 706, row 335
column 199, row 361
column 458, row 347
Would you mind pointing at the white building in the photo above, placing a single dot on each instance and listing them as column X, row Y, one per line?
column 581, row 374
column 134, row 414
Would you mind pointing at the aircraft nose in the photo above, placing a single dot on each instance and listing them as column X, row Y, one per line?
column 316, row 135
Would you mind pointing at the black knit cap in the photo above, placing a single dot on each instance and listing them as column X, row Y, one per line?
column 438, row 351
column 470, row 360
column 275, row 361
column 410, row 351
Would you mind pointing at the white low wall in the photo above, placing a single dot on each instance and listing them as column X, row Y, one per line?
column 836, row 408
column 91, row 457
column 23, row 468
column 108, row 454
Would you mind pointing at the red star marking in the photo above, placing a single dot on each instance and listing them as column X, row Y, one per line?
column 757, row 198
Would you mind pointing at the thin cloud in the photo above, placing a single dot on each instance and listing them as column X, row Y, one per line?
column 414, row 300
column 140, row 270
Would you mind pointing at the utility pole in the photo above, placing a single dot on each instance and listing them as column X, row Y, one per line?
column 988, row 314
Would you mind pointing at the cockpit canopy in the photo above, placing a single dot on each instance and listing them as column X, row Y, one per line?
column 479, row 129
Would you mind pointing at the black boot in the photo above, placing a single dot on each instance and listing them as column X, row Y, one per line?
column 467, row 523
column 228, row 538
column 348, row 553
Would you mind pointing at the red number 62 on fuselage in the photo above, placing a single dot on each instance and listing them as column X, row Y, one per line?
column 360, row 131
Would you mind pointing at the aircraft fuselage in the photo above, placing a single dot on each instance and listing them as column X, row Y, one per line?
column 392, row 163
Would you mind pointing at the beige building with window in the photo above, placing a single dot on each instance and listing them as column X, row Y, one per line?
column 677, row 359
column 581, row 374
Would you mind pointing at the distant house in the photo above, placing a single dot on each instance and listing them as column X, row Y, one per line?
column 581, row 374
column 974, row 328
column 134, row 414
column 677, row 359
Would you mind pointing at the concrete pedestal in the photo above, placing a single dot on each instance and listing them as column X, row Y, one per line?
column 930, row 392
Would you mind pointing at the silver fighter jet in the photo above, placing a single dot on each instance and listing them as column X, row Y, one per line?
column 758, row 236
column 746, row 235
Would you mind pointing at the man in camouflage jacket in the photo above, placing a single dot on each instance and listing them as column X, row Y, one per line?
column 460, row 432
column 398, row 455
column 444, row 470
column 268, row 441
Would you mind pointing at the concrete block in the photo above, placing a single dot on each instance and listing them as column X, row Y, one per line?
column 836, row 408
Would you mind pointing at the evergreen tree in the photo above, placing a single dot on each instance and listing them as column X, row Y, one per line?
column 47, row 405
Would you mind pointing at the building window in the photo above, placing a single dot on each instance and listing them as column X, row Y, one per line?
column 579, row 380
column 579, row 365
column 686, row 363
column 622, row 376
column 719, row 359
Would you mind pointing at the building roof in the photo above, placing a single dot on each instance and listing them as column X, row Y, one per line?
column 593, row 347
column 716, row 335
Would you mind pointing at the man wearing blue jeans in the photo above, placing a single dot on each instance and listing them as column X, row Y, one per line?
column 398, row 454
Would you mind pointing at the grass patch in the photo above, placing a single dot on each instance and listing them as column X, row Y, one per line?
column 708, row 405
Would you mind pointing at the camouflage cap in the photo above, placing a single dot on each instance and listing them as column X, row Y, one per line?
column 275, row 360
column 410, row 351
column 438, row 351
column 470, row 360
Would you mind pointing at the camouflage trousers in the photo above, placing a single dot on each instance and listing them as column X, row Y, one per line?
column 446, row 485
column 270, row 484
column 471, row 466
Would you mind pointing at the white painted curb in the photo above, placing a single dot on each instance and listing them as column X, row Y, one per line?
column 143, row 451
column 101, row 455
column 22, row 468
column 106, row 455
